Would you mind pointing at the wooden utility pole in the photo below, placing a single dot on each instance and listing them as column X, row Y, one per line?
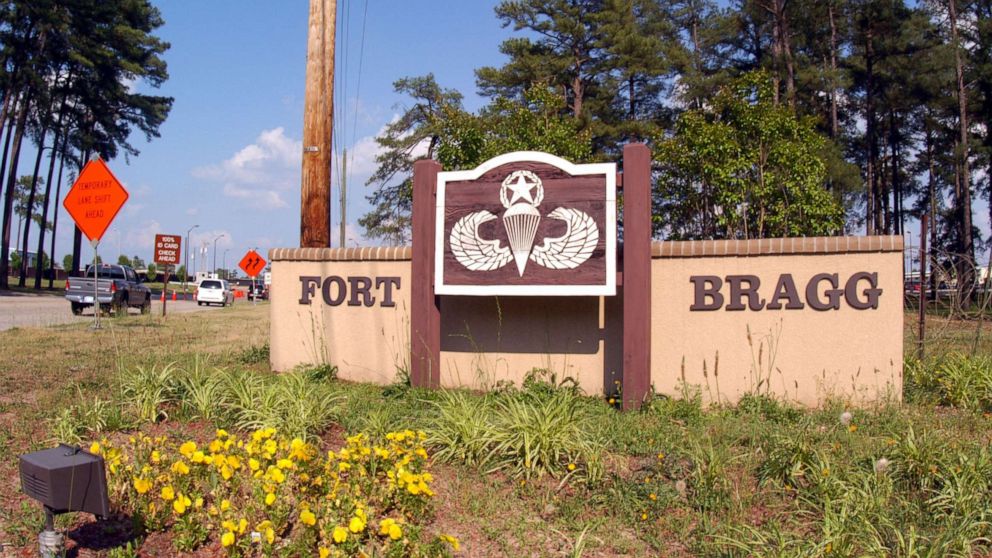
column 315, row 192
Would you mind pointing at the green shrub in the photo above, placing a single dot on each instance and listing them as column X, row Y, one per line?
column 461, row 431
column 146, row 391
column 528, row 433
column 536, row 433
column 292, row 402
column 952, row 379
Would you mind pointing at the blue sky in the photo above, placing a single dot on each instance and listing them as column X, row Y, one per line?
column 228, row 158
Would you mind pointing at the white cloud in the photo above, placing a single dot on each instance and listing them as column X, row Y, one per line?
column 260, row 172
column 193, row 211
column 143, row 237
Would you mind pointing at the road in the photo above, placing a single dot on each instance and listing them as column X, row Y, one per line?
column 33, row 310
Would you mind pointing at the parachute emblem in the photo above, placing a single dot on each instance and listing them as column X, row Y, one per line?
column 521, row 192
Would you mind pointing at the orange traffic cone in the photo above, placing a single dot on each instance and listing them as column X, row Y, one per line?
column 173, row 296
column 163, row 296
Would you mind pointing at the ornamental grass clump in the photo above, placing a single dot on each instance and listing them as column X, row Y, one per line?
column 528, row 433
column 266, row 494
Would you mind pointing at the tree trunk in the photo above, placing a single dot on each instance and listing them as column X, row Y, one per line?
column 874, row 207
column 6, row 150
column 48, row 202
column 8, row 200
column 23, row 273
column 966, row 273
column 834, row 129
column 55, row 218
column 932, row 202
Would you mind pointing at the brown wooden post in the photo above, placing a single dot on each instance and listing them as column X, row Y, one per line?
column 425, row 312
column 318, row 108
column 636, row 378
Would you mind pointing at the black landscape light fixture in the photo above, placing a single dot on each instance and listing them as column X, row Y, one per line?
column 64, row 479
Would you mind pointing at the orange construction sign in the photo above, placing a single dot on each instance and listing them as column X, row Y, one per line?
column 252, row 264
column 94, row 199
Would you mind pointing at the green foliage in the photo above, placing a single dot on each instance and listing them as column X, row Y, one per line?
column 753, row 165
column 459, row 139
column 466, row 140
column 527, row 434
column 294, row 402
column 145, row 391
column 953, row 379
column 255, row 354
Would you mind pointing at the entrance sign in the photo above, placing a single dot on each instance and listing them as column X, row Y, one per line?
column 252, row 264
column 167, row 248
column 526, row 223
column 94, row 199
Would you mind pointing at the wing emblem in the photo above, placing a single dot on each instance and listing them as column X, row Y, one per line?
column 521, row 193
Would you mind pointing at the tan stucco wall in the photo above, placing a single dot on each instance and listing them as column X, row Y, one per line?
column 367, row 344
column 856, row 354
column 484, row 340
column 806, row 355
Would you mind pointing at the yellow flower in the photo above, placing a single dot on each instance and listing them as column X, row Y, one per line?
column 229, row 525
column 284, row 464
column 215, row 446
column 323, row 552
column 308, row 518
column 653, row 496
column 356, row 525
column 571, row 466
column 226, row 472
column 384, row 525
column 221, row 433
column 142, row 485
column 242, row 525
column 95, row 448
column 225, row 504
column 198, row 503
column 253, row 464
column 180, row 468
column 644, row 517
column 270, row 499
column 395, row 532
column 227, row 539
column 187, row 449
column 270, row 535
column 198, row 457
column 156, row 456
column 661, row 456
column 452, row 541
column 181, row 504
column 233, row 462
column 168, row 493
column 852, row 428
column 340, row 534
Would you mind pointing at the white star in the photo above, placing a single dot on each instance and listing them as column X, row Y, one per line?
column 521, row 190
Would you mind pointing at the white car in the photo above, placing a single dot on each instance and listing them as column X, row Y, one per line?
column 214, row 291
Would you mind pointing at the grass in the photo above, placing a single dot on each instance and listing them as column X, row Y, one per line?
column 540, row 469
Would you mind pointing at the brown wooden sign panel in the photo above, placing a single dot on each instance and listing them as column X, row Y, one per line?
column 527, row 223
column 167, row 248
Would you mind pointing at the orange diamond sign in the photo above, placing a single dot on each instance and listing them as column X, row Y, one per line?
column 252, row 264
column 94, row 199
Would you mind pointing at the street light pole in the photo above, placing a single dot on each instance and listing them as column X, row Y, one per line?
column 186, row 261
column 225, row 263
column 215, row 251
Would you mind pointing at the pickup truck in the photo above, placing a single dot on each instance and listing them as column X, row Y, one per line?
column 118, row 288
